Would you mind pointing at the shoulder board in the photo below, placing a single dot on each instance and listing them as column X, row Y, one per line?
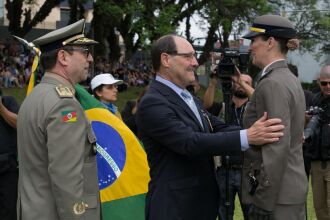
column 64, row 92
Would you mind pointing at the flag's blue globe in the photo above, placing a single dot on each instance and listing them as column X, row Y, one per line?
column 111, row 153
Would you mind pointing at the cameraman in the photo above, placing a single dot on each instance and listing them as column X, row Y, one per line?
column 8, row 157
column 319, row 149
column 233, row 164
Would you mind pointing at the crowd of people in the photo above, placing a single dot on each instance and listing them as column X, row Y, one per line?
column 15, row 65
column 198, row 164
column 139, row 74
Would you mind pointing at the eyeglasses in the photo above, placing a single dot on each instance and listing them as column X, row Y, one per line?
column 188, row 56
column 324, row 83
column 84, row 51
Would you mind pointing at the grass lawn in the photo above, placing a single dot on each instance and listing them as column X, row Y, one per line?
column 132, row 93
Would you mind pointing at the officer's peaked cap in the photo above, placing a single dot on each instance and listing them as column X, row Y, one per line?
column 72, row 34
column 272, row 26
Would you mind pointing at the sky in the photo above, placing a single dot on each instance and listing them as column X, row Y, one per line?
column 308, row 66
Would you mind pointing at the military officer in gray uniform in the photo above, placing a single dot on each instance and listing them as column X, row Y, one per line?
column 56, row 145
column 273, row 178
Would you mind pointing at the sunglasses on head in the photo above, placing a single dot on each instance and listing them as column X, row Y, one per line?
column 324, row 83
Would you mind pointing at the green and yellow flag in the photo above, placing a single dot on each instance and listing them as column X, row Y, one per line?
column 34, row 68
column 123, row 170
column 122, row 163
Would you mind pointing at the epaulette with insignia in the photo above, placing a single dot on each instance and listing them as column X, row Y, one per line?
column 64, row 92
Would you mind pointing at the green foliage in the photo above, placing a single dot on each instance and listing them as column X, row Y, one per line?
column 164, row 21
column 142, row 21
column 229, row 17
column 152, row 19
column 109, row 10
column 312, row 22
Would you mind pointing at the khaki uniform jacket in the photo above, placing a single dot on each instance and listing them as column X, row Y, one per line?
column 57, row 173
column 278, row 167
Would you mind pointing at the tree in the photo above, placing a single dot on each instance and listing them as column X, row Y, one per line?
column 225, row 16
column 110, row 18
column 77, row 10
column 16, row 13
column 139, row 22
column 312, row 22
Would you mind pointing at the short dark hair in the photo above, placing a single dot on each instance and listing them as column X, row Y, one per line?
column 162, row 45
column 48, row 59
column 282, row 42
column 97, row 89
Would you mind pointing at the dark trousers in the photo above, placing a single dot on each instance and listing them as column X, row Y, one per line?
column 234, row 188
column 8, row 194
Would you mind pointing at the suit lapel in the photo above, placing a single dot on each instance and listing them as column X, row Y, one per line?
column 204, row 117
column 175, row 99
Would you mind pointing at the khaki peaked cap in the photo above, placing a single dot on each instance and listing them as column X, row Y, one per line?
column 272, row 26
column 72, row 34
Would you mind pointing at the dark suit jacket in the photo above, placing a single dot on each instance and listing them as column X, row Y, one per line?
column 279, row 166
column 180, row 155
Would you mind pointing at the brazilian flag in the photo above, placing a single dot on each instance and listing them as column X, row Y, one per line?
column 123, row 170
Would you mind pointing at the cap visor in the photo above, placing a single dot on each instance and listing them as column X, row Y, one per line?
column 251, row 35
column 118, row 82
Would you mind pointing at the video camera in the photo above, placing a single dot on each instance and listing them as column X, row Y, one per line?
column 313, row 123
column 226, row 70
column 230, row 58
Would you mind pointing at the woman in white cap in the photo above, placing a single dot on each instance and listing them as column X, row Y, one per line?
column 104, row 87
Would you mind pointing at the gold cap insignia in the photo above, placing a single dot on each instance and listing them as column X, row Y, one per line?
column 259, row 30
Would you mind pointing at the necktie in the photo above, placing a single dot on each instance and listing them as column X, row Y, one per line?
column 190, row 102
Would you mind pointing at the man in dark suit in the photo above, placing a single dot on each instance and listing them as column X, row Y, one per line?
column 181, row 138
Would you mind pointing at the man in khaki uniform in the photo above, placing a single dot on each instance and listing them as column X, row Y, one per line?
column 58, row 175
column 273, row 179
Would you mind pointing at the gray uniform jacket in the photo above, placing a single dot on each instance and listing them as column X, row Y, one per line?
column 57, row 173
column 278, row 167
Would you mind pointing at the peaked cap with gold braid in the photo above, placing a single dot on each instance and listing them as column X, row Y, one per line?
column 72, row 34
column 272, row 26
